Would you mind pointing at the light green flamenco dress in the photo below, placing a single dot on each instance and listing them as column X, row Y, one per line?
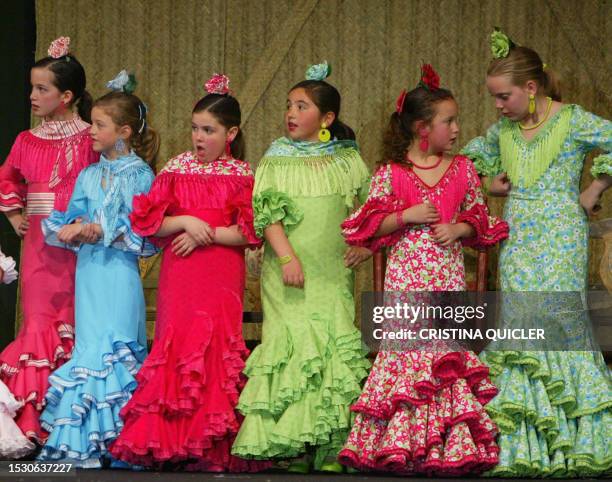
column 308, row 370
column 554, row 407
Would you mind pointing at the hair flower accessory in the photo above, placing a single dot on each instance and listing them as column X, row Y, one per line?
column 123, row 82
column 218, row 84
column 429, row 78
column 59, row 47
column 318, row 71
column 399, row 103
column 500, row 44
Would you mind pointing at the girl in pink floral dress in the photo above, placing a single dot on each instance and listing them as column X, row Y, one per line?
column 422, row 411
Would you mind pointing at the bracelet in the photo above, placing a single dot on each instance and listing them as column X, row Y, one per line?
column 285, row 259
column 399, row 219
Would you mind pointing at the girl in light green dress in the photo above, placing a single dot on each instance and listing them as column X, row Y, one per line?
column 554, row 407
column 308, row 370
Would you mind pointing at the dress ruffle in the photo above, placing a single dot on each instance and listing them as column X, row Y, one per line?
column 271, row 207
column 550, row 424
column 13, row 444
column 359, row 229
column 489, row 229
column 299, row 391
column 183, row 410
column 83, row 403
column 26, row 365
column 422, row 413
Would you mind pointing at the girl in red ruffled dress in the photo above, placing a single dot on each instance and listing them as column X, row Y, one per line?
column 421, row 410
column 37, row 177
column 199, row 211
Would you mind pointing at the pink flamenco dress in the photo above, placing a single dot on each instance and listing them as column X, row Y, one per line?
column 422, row 409
column 37, row 177
column 183, row 411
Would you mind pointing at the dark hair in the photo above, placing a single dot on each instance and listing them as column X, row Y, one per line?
column 226, row 110
column 523, row 64
column 69, row 74
column 419, row 105
column 327, row 99
column 127, row 109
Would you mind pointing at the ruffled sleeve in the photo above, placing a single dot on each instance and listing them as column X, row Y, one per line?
column 593, row 132
column 484, row 152
column 489, row 229
column 270, row 206
column 148, row 210
column 359, row 229
column 239, row 211
column 7, row 264
column 12, row 183
column 77, row 209
column 115, row 213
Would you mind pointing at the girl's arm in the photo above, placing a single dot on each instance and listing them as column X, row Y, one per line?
column 230, row 236
column 424, row 213
column 293, row 274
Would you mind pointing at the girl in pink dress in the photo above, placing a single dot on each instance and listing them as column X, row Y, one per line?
column 421, row 410
column 199, row 211
column 37, row 177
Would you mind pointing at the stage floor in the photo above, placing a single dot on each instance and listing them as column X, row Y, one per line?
column 128, row 476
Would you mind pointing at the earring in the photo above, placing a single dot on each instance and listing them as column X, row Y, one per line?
column 228, row 148
column 424, row 142
column 324, row 134
column 120, row 145
column 532, row 105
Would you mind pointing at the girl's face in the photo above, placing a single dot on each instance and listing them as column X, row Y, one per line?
column 209, row 136
column 105, row 133
column 444, row 127
column 512, row 101
column 46, row 99
column 303, row 118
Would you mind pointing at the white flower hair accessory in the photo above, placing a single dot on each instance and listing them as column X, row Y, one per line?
column 123, row 82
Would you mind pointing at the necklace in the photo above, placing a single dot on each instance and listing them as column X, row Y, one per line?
column 426, row 168
column 535, row 126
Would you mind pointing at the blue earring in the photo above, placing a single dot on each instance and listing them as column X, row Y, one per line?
column 120, row 145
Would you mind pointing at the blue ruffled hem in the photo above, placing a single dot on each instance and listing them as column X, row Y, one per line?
column 83, row 405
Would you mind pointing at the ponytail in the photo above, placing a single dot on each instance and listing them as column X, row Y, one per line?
column 552, row 85
column 340, row 130
column 146, row 145
column 84, row 105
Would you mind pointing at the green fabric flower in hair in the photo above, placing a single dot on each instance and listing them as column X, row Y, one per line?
column 318, row 71
column 500, row 44
column 123, row 82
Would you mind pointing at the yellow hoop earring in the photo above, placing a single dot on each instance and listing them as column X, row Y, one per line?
column 324, row 134
column 532, row 105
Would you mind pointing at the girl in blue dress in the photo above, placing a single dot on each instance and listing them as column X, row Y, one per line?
column 87, row 393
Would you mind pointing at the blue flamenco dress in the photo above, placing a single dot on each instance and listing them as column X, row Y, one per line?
column 87, row 392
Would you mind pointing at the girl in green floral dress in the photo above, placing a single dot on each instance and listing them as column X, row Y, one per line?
column 307, row 371
column 554, row 407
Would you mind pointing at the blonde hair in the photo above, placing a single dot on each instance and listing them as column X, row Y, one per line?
column 127, row 109
column 523, row 64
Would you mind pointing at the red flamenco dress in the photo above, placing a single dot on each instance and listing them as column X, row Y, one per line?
column 37, row 177
column 183, row 410
column 422, row 408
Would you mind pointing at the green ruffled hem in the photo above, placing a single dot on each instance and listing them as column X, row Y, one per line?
column 300, row 395
column 602, row 165
column 271, row 207
column 556, row 430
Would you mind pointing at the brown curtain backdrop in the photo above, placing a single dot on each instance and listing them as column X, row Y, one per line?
column 374, row 47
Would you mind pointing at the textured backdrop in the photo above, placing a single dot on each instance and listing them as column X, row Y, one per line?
column 374, row 48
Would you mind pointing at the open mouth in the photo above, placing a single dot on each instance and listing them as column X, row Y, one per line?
column 291, row 126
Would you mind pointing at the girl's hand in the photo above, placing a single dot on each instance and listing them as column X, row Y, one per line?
column 293, row 274
column 90, row 233
column 1, row 275
column 183, row 245
column 355, row 255
column 446, row 234
column 424, row 213
column 200, row 231
column 69, row 233
column 589, row 200
column 500, row 185
column 20, row 223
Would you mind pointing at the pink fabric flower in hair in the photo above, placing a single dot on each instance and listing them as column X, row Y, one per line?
column 218, row 84
column 59, row 47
